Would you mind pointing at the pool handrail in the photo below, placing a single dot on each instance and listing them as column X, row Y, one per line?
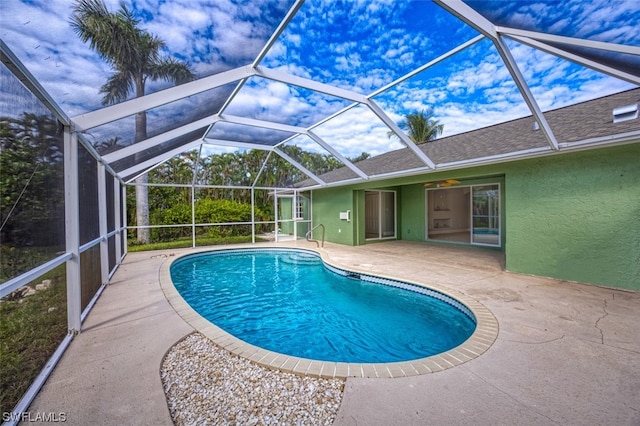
column 310, row 232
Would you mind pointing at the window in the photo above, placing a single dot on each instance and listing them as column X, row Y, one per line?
column 300, row 208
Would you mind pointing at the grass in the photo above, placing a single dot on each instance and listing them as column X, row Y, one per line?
column 17, row 260
column 30, row 331
column 31, row 328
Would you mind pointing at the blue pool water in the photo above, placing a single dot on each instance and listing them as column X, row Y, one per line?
column 288, row 301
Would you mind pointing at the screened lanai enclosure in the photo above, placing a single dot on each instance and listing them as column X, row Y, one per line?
column 210, row 121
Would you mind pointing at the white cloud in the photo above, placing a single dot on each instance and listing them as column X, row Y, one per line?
column 355, row 131
column 361, row 49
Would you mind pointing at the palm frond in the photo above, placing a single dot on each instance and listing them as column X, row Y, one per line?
column 117, row 88
column 110, row 35
column 420, row 126
column 170, row 69
column 133, row 53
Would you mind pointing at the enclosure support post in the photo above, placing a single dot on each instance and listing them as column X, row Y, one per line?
column 194, row 179
column 275, row 211
column 72, row 230
column 102, row 221
column 193, row 216
column 116, row 216
column 294, row 214
column 253, row 216
column 123, row 208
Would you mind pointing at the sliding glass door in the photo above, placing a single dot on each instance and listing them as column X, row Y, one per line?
column 448, row 214
column 380, row 214
column 486, row 215
column 464, row 214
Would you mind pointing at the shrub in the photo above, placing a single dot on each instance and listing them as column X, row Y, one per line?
column 207, row 210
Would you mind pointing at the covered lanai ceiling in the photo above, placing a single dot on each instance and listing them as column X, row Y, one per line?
column 329, row 77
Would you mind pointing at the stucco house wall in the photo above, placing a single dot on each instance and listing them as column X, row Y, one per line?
column 572, row 216
column 576, row 217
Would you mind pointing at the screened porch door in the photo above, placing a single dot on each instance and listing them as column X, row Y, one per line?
column 285, row 212
column 380, row 215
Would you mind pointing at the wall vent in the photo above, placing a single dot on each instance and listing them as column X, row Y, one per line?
column 536, row 126
column 624, row 113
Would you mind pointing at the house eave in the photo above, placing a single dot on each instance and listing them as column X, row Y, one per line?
column 565, row 147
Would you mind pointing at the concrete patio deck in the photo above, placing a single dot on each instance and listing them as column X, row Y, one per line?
column 566, row 353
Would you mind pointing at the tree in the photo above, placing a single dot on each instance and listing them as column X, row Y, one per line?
column 420, row 127
column 135, row 56
column 107, row 146
column 31, row 187
column 363, row 156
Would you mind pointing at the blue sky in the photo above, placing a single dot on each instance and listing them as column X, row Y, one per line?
column 357, row 45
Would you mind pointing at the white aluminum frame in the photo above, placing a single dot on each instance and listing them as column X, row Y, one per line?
column 102, row 217
column 73, row 127
column 72, row 230
column 605, row 69
column 242, row 74
column 118, row 226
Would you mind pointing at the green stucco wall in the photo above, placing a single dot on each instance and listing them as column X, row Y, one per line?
column 576, row 216
column 326, row 206
column 411, row 212
column 573, row 216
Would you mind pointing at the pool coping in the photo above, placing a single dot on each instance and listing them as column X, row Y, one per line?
column 479, row 342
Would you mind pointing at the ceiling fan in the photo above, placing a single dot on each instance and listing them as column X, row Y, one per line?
column 442, row 183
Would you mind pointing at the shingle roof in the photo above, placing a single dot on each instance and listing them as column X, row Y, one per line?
column 586, row 120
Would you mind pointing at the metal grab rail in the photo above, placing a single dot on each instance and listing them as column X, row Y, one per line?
column 309, row 232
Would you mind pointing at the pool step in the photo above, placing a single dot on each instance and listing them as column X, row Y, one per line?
column 302, row 259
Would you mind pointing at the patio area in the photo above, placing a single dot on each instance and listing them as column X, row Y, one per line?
column 566, row 353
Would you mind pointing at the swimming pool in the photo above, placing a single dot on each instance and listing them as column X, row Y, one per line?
column 292, row 303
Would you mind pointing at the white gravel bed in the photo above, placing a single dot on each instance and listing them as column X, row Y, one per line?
column 206, row 384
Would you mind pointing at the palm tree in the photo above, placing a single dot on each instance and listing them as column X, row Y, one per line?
column 134, row 55
column 420, row 126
